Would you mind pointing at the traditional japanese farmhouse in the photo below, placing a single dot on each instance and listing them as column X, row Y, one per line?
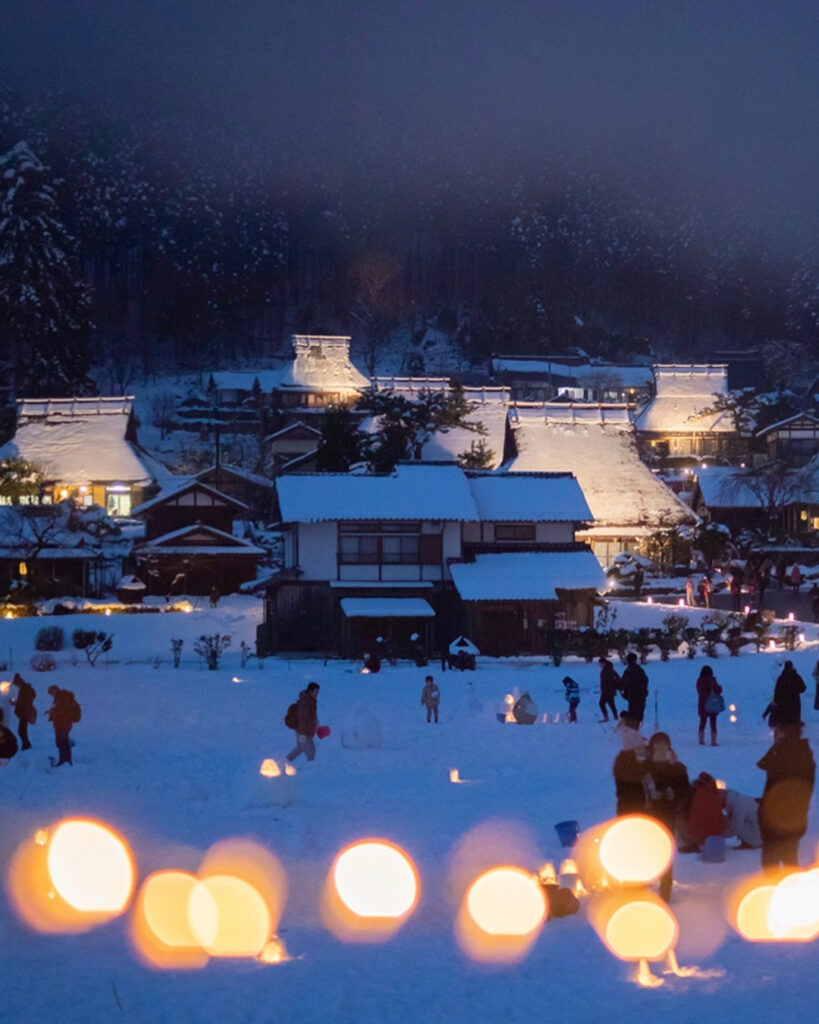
column 86, row 449
column 596, row 442
column 794, row 440
column 389, row 556
column 189, row 539
column 321, row 374
column 676, row 421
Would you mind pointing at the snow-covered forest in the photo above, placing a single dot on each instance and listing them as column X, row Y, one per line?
column 188, row 245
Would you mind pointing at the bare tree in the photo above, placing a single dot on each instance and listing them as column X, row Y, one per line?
column 774, row 485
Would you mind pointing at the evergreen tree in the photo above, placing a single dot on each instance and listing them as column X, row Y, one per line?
column 341, row 442
column 44, row 304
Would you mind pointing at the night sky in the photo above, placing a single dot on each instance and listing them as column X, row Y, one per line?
column 720, row 97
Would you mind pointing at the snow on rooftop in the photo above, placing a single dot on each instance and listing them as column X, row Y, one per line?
column 449, row 444
column 386, row 608
column 625, row 375
column 723, row 487
column 682, row 394
column 79, row 450
column 322, row 363
column 619, row 488
column 526, row 575
column 529, row 497
column 53, row 409
column 413, row 491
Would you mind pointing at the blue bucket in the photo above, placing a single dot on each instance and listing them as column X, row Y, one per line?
column 713, row 849
column 567, row 832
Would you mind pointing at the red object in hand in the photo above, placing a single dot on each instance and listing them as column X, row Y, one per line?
column 322, row 731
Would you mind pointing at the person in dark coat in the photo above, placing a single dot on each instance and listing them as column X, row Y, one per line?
column 63, row 713
column 372, row 657
column 572, row 691
column 630, row 768
column 307, row 723
column 783, row 814
column 431, row 698
column 609, row 684
column 634, row 688
column 637, row 579
column 24, row 709
column 8, row 741
column 706, row 685
column 667, row 791
column 814, row 601
column 786, row 704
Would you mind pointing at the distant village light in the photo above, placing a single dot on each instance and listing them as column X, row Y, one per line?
column 22, row 569
column 790, row 616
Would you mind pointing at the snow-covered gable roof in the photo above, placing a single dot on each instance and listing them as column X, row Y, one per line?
column 722, row 487
column 529, row 497
column 597, row 445
column 322, row 363
column 683, row 391
column 450, row 443
column 801, row 418
column 198, row 538
column 242, row 380
column 386, row 608
column 79, row 449
column 188, row 485
column 414, row 491
column 239, row 474
column 297, row 429
column 527, row 575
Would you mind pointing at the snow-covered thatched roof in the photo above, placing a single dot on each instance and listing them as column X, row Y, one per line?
column 683, row 391
column 54, row 410
column 596, row 444
column 79, row 448
column 322, row 363
column 527, row 575
column 490, row 413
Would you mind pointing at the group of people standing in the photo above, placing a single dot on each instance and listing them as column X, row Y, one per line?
column 63, row 714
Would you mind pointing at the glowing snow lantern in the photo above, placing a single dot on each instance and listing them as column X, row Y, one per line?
column 107, row 611
column 747, row 609
column 272, row 787
column 5, row 686
column 274, row 952
column 681, row 602
column 793, row 913
column 649, row 600
column 732, row 718
column 772, row 645
column 506, row 901
column 270, row 768
column 91, row 867
column 637, row 928
column 229, row 917
column 547, row 874
column 636, row 849
column 748, row 911
column 732, row 707
column 9, row 615
column 371, row 890
column 160, row 926
column 790, row 616
column 454, row 776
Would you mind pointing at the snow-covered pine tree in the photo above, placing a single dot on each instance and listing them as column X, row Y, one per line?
column 44, row 303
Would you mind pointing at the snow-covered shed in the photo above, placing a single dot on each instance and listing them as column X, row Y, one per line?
column 597, row 444
column 195, row 558
column 86, row 448
column 675, row 422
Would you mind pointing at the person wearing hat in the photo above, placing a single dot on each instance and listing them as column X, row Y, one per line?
column 609, row 684
column 790, row 773
column 634, row 688
column 24, row 709
column 630, row 767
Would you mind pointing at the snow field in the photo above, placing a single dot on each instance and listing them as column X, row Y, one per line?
column 168, row 757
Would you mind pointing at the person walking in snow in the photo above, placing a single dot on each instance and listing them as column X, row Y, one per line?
column 637, row 579
column 609, row 685
column 64, row 713
column 786, row 704
column 24, row 709
column 572, row 696
column 689, row 591
column 790, row 773
column 705, row 590
column 431, row 698
column 634, row 688
column 707, row 686
column 814, row 601
column 796, row 578
column 306, row 723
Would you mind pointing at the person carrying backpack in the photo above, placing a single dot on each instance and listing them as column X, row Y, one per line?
column 8, row 741
column 64, row 713
column 710, row 703
column 302, row 718
column 609, row 683
column 24, row 709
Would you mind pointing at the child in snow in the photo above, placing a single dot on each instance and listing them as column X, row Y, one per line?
column 572, row 696
column 431, row 698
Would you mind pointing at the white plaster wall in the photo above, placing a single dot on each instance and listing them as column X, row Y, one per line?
column 554, row 533
column 318, row 550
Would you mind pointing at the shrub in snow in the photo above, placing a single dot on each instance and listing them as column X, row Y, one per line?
column 49, row 638
column 789, row 637
column 210, row 648
column 43, row 663
column 101, row 644
column 364, row 732
column 83, row 638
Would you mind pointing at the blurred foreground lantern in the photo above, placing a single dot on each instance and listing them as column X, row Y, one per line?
column 637, row 927
column 630, row 850
column 71, row 877
column 748, row 910
column 793, row 913
column 501, row 915
column 370, row 892
column 161, row 930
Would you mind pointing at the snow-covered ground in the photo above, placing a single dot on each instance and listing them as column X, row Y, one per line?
column 168, row 757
